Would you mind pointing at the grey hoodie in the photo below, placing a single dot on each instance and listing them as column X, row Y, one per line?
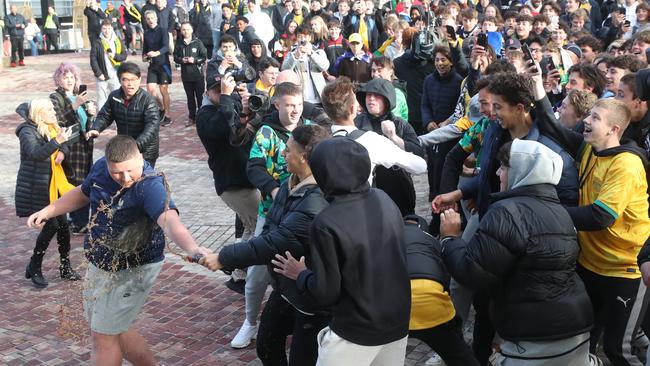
column 533, row 163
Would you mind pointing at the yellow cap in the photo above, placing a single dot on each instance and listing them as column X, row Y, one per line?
column 355, row 37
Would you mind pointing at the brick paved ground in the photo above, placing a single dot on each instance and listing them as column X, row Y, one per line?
column 190, row 317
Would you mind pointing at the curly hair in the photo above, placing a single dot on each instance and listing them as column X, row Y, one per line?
column 514, row 89
column 626, row 62
column 592, row 77
column 582, row 101
column 590, row 41
column 64, row 68
column 308, row 136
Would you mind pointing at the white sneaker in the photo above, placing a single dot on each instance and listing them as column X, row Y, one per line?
column 435, row 360
column 243, row 337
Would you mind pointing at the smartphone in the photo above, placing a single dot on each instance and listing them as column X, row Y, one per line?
column 74, row 132
column 82, row 88
column 527, row 54
column 451, row 31
column 482, row 40
column 627, row 23
column 550, row 64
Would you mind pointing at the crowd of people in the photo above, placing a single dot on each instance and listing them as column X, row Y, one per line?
column 530, row 119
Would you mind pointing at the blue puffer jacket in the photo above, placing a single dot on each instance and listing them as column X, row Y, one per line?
column 486, row 182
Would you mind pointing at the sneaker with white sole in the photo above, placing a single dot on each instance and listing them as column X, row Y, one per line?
column 243, row 338
column 435, row 360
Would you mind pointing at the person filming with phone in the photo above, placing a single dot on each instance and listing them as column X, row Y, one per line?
column 75, row 110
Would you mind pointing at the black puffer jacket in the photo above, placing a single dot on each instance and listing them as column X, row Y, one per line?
column 423, row 253
column 525, row 254
column 140, row 120
column 286, row 229
column 35, row 172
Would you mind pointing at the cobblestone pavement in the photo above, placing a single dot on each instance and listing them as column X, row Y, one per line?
column 190, row 316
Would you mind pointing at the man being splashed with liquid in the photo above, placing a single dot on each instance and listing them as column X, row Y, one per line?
column 131, row 212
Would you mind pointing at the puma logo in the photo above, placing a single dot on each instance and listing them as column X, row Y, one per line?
column 623, row 301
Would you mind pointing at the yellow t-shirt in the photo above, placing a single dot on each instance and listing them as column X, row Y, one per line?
column 430, row 305
column 617, row 184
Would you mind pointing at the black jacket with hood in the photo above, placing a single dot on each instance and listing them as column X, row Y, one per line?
column 286, row 229
column 396, row 182
column 413, row 71
column 196, row 49
column 35, row 171
column 254, row 61
column 138, row 118
column 358, row 260
column 227, row 162
column 525, row 254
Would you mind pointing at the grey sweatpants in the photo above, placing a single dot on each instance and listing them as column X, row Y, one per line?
column 257, row 280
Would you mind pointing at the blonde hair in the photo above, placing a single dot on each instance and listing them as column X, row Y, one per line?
column 37, row 116
column 618, row 114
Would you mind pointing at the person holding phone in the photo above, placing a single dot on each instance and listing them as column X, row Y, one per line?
column 75, row 111
column 44, row 147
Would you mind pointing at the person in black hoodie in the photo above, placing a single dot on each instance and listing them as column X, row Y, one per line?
column 191, row 54
column 286, row 312
column 525, row 255
column 377, row 97
column 358, row 262
column 413, row 67
column 256, row 53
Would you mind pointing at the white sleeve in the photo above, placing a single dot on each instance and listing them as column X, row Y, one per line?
column 384, row 152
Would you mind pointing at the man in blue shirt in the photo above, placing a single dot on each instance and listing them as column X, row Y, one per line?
column 131, row 214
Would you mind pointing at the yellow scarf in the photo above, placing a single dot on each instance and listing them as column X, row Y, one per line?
column 133, row 11
column 380, row 51
column 107, row 48
column 363, row 30
column 59, row 184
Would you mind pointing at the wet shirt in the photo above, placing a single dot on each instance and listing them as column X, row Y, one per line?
column 123, row 229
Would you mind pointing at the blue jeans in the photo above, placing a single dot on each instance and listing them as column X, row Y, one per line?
column 216, row 37
column 32, row 44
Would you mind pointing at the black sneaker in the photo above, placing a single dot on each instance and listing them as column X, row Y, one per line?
column 134, row 52
column 237, row 286
column 166, row 121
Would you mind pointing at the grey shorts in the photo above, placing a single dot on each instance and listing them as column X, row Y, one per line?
column 136, row 28
column 113, row 300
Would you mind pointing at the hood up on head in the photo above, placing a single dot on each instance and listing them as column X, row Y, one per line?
column 340, row 166
column 378, row 86
column 23, row 111
column 533, row 163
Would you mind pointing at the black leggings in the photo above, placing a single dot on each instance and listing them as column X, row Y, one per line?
column 280, row 319
column 448, row 342
column 56, row 225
